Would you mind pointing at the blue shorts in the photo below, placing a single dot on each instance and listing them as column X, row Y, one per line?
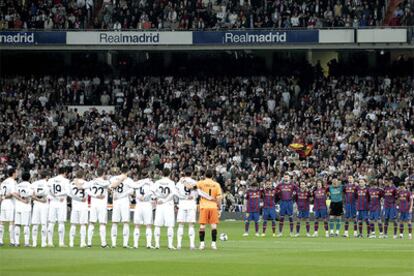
column 303, row 214
column 286, row 208
column 390, row 213
column 269, row 214
column 323, row 213
column 375, row 215
column 252, row 216
column 350, row 211
column 405, row 216
column 362, row 215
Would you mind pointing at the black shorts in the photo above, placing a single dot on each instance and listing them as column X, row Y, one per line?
column 336, row 209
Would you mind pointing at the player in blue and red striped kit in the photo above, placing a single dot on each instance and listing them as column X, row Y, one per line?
column 252, row 207
column 286, row 190
column 362, row 206
column 319, row 207
column 375, row 195
column 269, row 209
column 303, row 196
column 350, row 208
column 390, row 210
column 405, row 206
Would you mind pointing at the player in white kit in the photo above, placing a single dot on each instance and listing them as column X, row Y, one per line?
column 98, row 190
column 121, row 202
column 164, row 191
column 8, row 193
column 23, row 210
column 187, row 208
column 79, row 213
column 40, row 208
column 59, row 188
column 143, row 208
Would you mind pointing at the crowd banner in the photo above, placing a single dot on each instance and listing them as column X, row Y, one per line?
column 256, row 37
column 129, row 38
column 337, row 36
column 389, row 35
column 101, row 109
column 32, row 38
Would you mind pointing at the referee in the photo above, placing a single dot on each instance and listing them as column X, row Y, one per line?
column 336, row 209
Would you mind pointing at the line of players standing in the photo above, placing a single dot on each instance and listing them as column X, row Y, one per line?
column 362, row 203
column 49, row 198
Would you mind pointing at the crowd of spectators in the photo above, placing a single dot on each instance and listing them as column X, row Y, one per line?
column 404, row 14
column 240, row 126
column 196, row 15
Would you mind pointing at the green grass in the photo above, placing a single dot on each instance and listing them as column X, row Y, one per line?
column 237, row 256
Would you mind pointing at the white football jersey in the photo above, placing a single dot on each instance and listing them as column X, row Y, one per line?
column 24, row 190
column 40, row 188
column 97, row 188
column 143, row 189
column 8, row 187
column 122, row 190
column 59, row 188
column 163, row 188
column 186, row 196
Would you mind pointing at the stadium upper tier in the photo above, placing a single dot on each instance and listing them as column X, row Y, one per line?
column 202, row 14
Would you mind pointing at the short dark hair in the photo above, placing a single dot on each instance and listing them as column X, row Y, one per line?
column 209, row 173
column 166, row 172
column 188, row 171
column 100, row 171
column 11, row 171
column 26, row 176
column 144, row 173
column 62, row 170
column 79, row 174
column 43, row 174
column 124, row 169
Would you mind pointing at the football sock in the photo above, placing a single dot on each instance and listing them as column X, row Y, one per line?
column 1, row 233
column 102, row 233
column 346, row 225
column 298, row 227
column 148, row 234
column 256, row 227
column 26, row 231
column 91, row 229
column 214, row 235
column 50, row 231
column 338, row 224
column 291, row 224
column 43, row 234
column 307, row 227
column 11, row 233
column 264, row 226
column 180, row 233
column 114, row 233
column 170, row 234
column 274, row 226
column 372, row 228
column 325, row 225
column 61, row 230
column 401, row 228
column 331, row 224
column 395, row 228
column 246, row 226
column 17, row 234
column 157, row 232
column 316, row 226
column 125, row 234
column 83, row 234
column 202, row 234
column 136, row 236
column 386, row 227
column 72, row 232
column 410, row 228
column 380, row 227
column 281, row 222
column 191, row 235
column 34, row 234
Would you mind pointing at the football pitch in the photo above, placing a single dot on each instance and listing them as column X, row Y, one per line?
column 237, row 256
